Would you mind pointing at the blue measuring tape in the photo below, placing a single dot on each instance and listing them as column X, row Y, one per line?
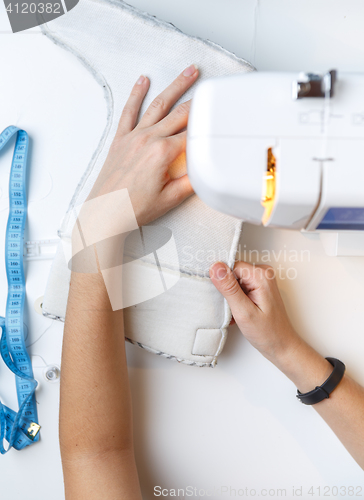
column 19, row 429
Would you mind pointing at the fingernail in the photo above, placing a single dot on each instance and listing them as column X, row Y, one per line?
column 140, row 80
column 191, row 70
column 218, row 271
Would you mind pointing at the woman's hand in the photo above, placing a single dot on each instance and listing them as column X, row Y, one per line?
column 257, row 307
column 140, row 154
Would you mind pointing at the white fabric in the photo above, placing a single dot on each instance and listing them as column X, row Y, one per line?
column 207, row 341
column 117, row 43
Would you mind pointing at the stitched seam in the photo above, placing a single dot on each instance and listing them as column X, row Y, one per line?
column 52, row 316
column 212, row 364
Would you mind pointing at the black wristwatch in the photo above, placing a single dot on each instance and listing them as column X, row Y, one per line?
column 323, row 391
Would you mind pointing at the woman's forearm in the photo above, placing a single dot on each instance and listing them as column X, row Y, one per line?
column 95, row 427
column 259, row 312
column 343, row 411
column 95, row 401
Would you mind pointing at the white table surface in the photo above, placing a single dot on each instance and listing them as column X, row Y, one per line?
column 238, row 425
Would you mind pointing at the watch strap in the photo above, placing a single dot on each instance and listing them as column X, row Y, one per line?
column 323, row 391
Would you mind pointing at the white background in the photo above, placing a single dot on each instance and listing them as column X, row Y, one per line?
column 239, row 424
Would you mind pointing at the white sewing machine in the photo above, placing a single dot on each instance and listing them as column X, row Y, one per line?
column 283, row 150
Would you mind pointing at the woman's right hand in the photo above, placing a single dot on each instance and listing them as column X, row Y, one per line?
column 257, row 307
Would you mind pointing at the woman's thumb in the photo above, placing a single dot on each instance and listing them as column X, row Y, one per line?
column 224, row 280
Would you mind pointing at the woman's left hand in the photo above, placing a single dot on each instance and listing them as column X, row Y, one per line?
column 140, row 155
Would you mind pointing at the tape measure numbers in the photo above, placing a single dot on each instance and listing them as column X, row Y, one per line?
column 20, row 429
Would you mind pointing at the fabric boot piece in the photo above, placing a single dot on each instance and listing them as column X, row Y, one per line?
column 186, row 318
